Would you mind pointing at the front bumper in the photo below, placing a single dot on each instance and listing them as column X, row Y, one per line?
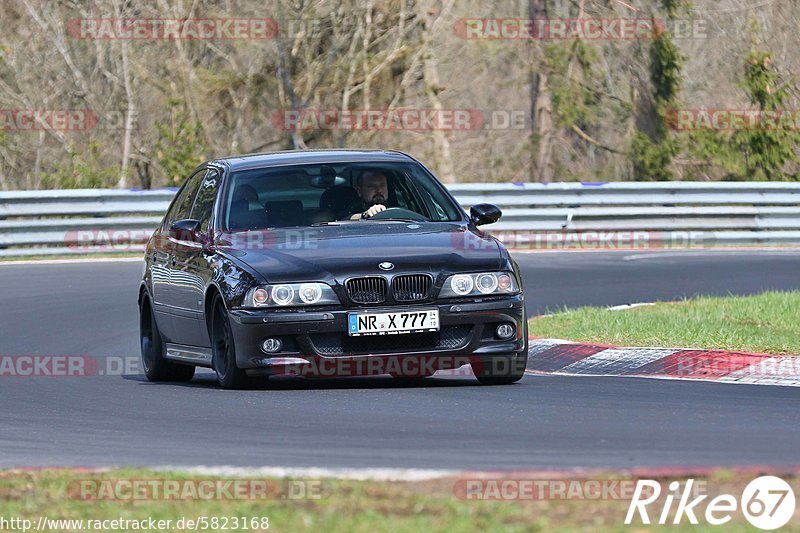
column 319, row 337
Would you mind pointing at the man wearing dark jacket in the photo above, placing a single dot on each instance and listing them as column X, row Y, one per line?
column 373, row 190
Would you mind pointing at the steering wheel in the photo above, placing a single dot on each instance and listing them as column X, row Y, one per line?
column 398, row 212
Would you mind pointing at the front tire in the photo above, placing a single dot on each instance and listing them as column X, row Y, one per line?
column 156, row 366
column 223, row 349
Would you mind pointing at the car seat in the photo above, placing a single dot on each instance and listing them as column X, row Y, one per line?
column 341, row 201
column 285, row 213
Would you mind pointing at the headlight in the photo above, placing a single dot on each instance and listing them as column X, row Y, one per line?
column 486, row 283
column 288, row 294
column 461, row 284
column 310, row 293
column 483, row 283
column 282, row 294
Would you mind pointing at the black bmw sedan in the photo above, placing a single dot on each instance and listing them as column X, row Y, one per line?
column 327, row 263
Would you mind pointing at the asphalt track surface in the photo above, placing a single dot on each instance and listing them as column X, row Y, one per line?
column 452, row 423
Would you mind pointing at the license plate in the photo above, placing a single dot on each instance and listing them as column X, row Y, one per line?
column 360, row 324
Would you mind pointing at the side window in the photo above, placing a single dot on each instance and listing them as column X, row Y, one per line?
column 204, row 203
column 180, row 209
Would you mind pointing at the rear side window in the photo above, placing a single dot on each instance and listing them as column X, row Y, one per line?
column 183, row 203
column 204, row 202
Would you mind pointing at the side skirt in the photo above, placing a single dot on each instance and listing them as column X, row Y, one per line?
column 189, row 354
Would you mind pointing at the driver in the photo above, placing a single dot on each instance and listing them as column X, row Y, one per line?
column 373, row 192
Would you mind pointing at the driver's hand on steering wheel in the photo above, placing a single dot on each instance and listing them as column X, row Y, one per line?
column 372, row 211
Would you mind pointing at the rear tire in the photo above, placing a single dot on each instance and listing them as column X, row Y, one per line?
column 501, row 369
column 156, row 366
column 223, row 350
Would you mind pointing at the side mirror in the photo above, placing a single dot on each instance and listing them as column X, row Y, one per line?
column 185, row 230
column 485, row 214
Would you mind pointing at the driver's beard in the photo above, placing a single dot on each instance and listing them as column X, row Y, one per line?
column 376, row 200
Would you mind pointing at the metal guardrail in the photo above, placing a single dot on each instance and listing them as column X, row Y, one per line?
column 535, row 215
column 79, row 221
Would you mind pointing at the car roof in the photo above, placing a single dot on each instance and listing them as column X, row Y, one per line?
column 297, row 157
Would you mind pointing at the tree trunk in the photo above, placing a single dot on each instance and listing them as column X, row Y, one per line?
column 444, row 154
column 541, row 108
column 130, row 113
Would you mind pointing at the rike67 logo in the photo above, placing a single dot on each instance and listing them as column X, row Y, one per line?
column 767, row 502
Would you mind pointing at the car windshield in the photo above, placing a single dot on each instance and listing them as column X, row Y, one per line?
column 307, row 195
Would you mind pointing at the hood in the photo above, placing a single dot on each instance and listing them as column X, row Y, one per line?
column 338, row 251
